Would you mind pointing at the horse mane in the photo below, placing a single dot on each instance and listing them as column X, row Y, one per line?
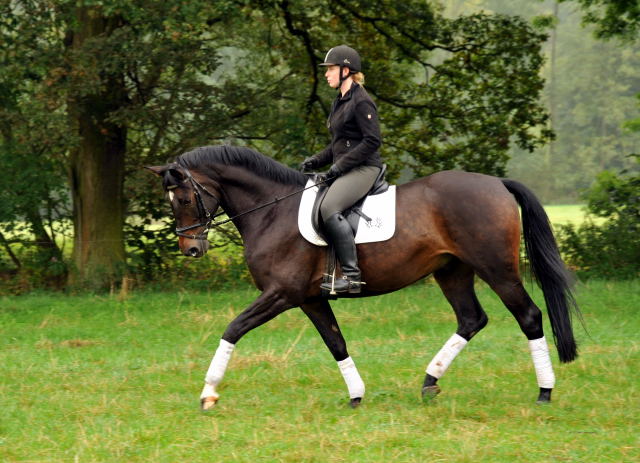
column 241, row 156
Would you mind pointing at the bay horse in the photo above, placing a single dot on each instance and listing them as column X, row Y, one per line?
column 452, row 224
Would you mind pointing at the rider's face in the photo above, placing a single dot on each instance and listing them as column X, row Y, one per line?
column 333, row 75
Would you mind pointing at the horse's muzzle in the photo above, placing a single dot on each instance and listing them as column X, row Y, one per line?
column 195, row 248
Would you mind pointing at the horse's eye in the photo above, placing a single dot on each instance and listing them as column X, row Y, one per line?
column 185, row 202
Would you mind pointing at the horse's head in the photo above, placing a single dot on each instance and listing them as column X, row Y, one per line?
column 193, row 205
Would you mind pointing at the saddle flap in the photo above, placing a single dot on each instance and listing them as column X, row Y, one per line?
column 321, row 192
column 373, row 216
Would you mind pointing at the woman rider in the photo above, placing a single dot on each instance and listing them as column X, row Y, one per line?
column 353, row 153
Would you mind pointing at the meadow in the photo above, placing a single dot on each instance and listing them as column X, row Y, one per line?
column 563, row 214
column 98, row 379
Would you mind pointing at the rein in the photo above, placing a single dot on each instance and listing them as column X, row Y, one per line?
column 207, row 220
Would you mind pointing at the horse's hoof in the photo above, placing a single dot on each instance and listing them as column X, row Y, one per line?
column 430, row 392
column 207, row 403
column 355, row 403
column 544, row 397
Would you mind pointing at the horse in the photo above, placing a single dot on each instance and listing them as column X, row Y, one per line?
column 453, row 224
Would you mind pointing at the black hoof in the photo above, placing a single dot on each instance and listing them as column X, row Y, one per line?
column 355, row 403
column 430, row 392
column 545, row 396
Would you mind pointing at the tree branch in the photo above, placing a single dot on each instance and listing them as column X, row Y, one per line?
column 7, row 248
column 313, row 62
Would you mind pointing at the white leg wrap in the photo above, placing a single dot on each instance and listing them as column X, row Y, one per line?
column 443, row 359
column 352, row 378
column 219, row 363
column 542, row 363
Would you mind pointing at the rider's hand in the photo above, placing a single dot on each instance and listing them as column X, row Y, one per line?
column 307, row 164
column 334, row 172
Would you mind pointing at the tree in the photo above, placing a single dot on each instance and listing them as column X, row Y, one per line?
column 610, row 249
column 612, row 18
column 451, row 92
column 102, row 62
column 590, row 91
column 143, row 81
column 32, row 135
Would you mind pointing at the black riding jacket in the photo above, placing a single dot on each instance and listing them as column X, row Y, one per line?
column 355, row 132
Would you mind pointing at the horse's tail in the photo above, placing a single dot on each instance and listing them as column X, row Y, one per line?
column 548, row 268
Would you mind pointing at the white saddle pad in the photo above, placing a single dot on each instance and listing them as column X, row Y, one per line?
column 381, row 209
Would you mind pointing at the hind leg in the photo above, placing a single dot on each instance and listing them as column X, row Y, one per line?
column 529, row 317
column 456, row 282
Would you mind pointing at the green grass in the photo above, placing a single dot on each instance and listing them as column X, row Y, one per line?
column 563, row 214
column 86, row 379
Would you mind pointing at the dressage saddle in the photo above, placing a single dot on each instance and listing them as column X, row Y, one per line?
column 353, row 214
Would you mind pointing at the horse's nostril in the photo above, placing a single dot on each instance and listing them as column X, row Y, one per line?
column 193, row 252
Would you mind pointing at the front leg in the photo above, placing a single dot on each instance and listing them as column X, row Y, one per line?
column 263, row 309
column 320, row 313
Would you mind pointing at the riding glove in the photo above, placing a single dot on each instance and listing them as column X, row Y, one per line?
column 334, row 172
column 307, row 164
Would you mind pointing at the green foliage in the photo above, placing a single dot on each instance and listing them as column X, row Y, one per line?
column 615, row 196
column 589, row 102
column 34, row 137
column 40, row 268
column 457, row 96
column 610, row 249
column 172, row 76
column 612, row 18
column 155, row 260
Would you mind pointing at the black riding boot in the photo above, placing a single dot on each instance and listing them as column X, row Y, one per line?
column 341, row 236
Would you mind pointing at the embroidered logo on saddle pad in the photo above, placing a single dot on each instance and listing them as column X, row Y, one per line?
column 377, row 219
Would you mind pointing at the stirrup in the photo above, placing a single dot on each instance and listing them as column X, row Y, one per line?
column 343, row 285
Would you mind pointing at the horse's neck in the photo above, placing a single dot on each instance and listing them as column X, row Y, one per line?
column 244, row 191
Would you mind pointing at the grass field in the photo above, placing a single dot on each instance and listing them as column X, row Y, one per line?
column 561, row 214
column 93, row 379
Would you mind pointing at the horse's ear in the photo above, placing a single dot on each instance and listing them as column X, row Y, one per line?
column 172, row 177
column 158, row 170
column 177, row 174
column 169, row 173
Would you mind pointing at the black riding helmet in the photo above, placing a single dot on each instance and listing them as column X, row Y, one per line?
column 345, row 57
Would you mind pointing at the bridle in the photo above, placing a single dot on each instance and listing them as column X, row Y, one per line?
column 205, row 218
column 204, row 215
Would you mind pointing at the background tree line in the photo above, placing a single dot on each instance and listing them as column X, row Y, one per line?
column 91, row 91
column 591, row 92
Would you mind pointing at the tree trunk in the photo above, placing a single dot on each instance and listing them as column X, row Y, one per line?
column 7, row 248
column 53, row 269
column 97, row 170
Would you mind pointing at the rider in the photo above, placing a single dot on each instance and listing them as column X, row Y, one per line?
column 353, row 153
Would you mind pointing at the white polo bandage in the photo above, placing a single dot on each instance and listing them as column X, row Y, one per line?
column 542, row 363
column 443, row 359
column 219, row 363
column 352, row 378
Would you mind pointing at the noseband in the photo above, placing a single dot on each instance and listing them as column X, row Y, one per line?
column 204, row 215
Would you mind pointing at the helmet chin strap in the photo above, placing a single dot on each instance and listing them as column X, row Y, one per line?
column 343, row 77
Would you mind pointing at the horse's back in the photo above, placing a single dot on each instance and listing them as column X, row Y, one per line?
column 464, row 211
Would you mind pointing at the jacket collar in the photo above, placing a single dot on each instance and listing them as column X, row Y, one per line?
column 347, row 96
